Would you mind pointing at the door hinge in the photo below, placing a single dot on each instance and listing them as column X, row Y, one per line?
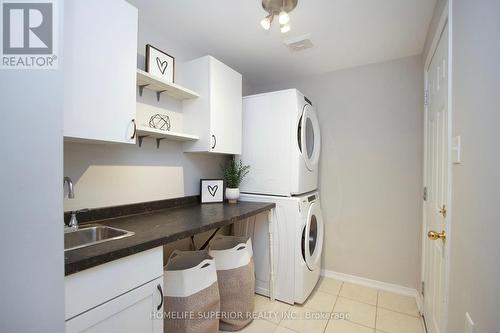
column 426, row 97
column 423, row 288
column 425, row 193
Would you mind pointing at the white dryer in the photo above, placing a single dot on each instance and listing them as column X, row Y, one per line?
column 281, row 142
column 297, row 245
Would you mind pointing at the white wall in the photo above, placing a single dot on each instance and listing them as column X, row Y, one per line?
column 31, row 234
column 110, row 175
column 107, row 174
column 475, row 246
column 371, row 167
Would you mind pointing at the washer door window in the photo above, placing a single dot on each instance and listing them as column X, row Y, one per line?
column 312, row 237
column 308, row 135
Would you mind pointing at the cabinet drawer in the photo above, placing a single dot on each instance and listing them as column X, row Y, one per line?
column 94, row 286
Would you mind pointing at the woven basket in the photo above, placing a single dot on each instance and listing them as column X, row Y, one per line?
column 236, row 277
column 192, row 300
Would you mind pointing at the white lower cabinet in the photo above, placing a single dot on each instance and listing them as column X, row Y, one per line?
column 132, row 312
column 124, row 295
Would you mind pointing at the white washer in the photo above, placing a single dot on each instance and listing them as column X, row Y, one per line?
column 297, row 245
column 310, row 233
column 281, row 141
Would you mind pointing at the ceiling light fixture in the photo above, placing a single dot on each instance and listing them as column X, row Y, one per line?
column 266, row 22
column 280, row 8
column 285, row 28
column 284, row 18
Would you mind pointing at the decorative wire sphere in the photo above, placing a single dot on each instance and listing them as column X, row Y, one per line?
column 160, row 121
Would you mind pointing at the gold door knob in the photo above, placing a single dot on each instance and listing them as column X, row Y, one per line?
column 434, row 235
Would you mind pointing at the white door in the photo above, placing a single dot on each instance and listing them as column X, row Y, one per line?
column 309, row 137
column 312, row 237
column 130, row 313
column 226, row 106
column 100, row 60
column 437, row 177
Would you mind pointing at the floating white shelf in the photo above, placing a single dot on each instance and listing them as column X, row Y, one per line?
column 147, row 132
column 148, row 81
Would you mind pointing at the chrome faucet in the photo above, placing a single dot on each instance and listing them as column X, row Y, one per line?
column 73, row 222
column 71, row 191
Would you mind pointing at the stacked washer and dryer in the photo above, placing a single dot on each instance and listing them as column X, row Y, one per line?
column 281, row 143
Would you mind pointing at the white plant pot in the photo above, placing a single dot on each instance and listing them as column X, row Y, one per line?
column 232, row 194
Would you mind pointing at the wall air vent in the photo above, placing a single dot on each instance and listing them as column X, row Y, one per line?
column 298, row 43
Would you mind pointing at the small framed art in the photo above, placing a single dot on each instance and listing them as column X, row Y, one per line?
column 159, row 63
column 212, row 190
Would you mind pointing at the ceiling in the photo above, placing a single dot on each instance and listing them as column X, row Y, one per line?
column 345, row 33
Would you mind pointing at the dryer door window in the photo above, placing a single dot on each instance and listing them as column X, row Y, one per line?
column 312, row 237
column 309, row 137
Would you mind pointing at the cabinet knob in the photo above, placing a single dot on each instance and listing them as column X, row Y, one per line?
column 135, row 129
column 161, row 294
column 214, row 141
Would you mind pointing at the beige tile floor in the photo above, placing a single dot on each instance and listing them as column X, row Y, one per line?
column 370, row 310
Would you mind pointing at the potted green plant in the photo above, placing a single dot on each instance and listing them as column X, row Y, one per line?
column 234, row 172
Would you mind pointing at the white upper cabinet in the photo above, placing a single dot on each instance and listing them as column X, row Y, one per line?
column 100, row 60
column 215, row 117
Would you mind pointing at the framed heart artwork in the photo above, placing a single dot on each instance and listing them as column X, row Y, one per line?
column 212, row 190
column 160, row 64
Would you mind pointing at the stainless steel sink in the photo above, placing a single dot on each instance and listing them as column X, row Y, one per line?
column 92, row 234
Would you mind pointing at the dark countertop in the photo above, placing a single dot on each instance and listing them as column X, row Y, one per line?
column 159, row 227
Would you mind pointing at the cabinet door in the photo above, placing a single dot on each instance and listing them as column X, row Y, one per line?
column 129, row 313
column 100, row 59
column 225, row 108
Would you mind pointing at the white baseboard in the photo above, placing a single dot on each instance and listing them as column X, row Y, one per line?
column 420, row 302
column 262, row 291
column 390, row 287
